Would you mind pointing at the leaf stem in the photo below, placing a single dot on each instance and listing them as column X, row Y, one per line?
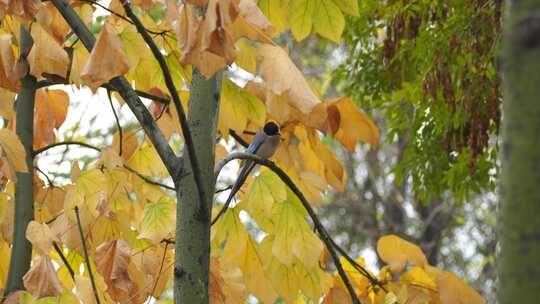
column 86, row 257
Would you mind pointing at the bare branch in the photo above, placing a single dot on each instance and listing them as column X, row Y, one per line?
column 63, row 257
column 120, row 131
column 86, row 257
column 176, row 99
column 65, row 143
column 149, row 180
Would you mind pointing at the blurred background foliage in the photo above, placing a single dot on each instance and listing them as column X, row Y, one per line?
column 426, row 71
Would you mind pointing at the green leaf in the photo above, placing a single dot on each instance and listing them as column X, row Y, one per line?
column 276, row 12
column 348, row 6
column 328, row 20
column 158, row 220
column 301, row 12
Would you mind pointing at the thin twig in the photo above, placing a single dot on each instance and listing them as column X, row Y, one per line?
column 325, row 237
column 63, row 257
column 238, row 139
column 149, row 180
column 65, row 143
column 178, row 105
column 54, row 218
column 120, row 132
column 86, row 257
column 223, row 190
column 166, row 32
column 159, row 272
column 46, row 176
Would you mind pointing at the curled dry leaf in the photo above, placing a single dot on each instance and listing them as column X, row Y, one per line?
column 50, row 19
column 41, row 236
column 107, row 60
column 47, row 56
column 25, row 9
column 51, row 111
column 41, row 280
column 112, row 260
column 281, row 75
column 348, row 125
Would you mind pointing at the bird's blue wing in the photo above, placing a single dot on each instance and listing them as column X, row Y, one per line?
column 258, row 140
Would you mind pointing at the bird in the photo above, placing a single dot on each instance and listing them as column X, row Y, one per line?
column 265, row 143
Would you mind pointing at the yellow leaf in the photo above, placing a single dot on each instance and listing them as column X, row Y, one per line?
column 7, row 63
column 40, row 236
column 80, row 58
column 397, row 252
column 47, row 55
column 283, row 278
column 7, row 99
column 158, row 220
column 328, row 20
column 348, row 6
column 418, row 277
column 146, row 161
column 265, row 189
column 276, row 12
column 13, row 149
column 107, row 59
column 274, row 65
column 293, row 237
column 41, row 279
column 4, row 261
column 246, row 56
column 134, row 46
column 237, row 108
column 300, row 15
column 348, row 125
column 359, row 282
column 451, row 289
column 251, row 264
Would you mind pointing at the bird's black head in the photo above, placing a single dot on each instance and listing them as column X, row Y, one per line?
column 271, row 128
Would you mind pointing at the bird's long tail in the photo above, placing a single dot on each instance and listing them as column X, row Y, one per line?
column 244, row 173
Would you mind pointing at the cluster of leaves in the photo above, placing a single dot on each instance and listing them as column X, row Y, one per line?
column 123, row 217
column 429, row 67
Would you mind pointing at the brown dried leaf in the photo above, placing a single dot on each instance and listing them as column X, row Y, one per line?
column 52, row 21
column 41, row 236
column 51, row 111
column 107, row 59
column 47, row 56
column 274, row 64
column 41, row 280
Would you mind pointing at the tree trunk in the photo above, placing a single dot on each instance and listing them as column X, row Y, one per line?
column 21, row 251
column 192, row 249
column 519, row 224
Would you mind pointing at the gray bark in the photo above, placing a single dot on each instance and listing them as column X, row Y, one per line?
column 21, row 251
column 192, row 247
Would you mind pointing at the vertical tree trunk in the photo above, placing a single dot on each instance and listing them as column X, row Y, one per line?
column 192, row 249
column 21, row 251
column 519, row 224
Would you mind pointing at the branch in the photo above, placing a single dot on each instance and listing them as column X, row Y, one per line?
column 120, row 131
column 65, row 143
column 178, row 105
column 148, row 180
column 86, row 258
column 325, row 237
column 63, row 257
column 238, row 138
column 123, row 87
